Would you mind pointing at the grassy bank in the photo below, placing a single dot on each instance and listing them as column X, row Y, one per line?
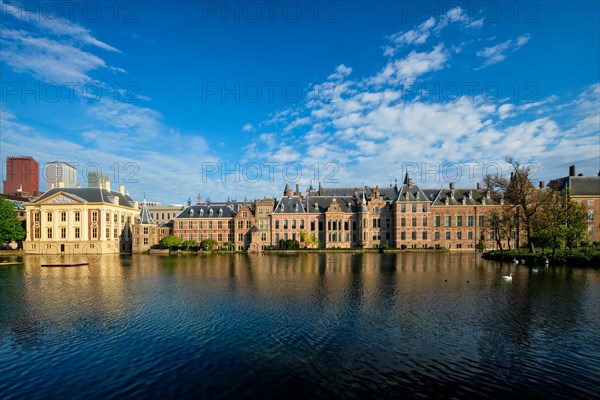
column 573, row 258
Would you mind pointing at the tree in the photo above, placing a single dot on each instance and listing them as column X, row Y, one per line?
column 521, row 193
column 189, row 244
column 10, row 227
column 209, row 244
column 229, row 245
column 562, row 219
column 170, row 241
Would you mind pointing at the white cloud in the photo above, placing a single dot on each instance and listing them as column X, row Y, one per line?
column 248, row 127
column 54, row 25
column 498, row 53
column 412, row 66
column 341, row 72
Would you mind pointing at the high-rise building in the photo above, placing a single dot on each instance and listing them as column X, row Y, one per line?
column 96, row 179
column 59, row 171
column 22, row 175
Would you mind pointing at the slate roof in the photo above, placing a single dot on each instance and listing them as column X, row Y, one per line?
column 205, row 211
column 458, row 197
column 90, row 195
column 346, row 203
column 579, row 185
column 144, row 218
column 410, row 194
column 388, row 194
column 289, row 205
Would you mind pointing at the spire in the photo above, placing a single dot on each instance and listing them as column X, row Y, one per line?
column 144, row 218
column 406, row 178
column 287, row 191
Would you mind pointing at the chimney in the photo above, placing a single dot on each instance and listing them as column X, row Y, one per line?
column 542, row 184
column 122, row 189
column 199, row 199
column 136, row 204
column 452, row 185
column 61, row 184
column 107, row 185
column 579, row 174
column 297, row 190
column 478, row 185
column 572, row 170
column 116, row 200
column 409, row 182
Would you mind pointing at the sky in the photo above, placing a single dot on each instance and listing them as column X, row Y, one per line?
column 235, row 99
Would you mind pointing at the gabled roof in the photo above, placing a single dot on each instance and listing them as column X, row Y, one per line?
column 346, row 203
column 289, row 205
column 89, row 195
column 410, row 194
column 579, row 185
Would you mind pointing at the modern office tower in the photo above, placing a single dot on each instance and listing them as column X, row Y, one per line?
column 59, row 171
column 96, row 179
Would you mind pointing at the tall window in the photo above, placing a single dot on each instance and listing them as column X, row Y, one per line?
column 77, row 216
column 402, row 222
column 414, row 208
column 36, row 233
column 49, row 233
column 248, row 224
column 63, row 233
column 49, row 217
column 95, row 216
column 145, row 230
column 36, row 217
column 424, row 221
column 77, row 233
column 481, row 220
column 95, row 232
column 437, row 235
column 437, row 220
column 276, row 224
column 459, row 235
column 220, row 224
column 190, row 225
column 470, row 220
column 459, row 220
column 414, row 221
column 448, row 235
column 448, row 220
column 63, row 216
column 424, row 235
column 403, row 208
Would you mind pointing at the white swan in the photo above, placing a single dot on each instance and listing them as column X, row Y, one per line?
column 534, row 270
column 515, row 261
column 507, row 277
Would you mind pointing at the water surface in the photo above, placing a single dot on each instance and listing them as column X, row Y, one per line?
column 411, row 325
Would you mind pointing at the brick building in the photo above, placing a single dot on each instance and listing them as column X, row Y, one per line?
column 22, row 176
column 586, row 191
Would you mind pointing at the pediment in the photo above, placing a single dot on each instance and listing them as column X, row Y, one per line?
column 63, row 198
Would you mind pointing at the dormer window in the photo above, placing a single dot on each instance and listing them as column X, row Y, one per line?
column 282, row 208
column 464, row 200
column 316, row 207
column 191, row 212
column 210, row 212
column 296, row 207
column 220, row 211
column 470, row 194
column 447, row 200
column 201, row 211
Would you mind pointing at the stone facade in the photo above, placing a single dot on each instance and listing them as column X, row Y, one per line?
column 80, row 221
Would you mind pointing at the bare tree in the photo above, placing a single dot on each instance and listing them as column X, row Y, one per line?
column 520, row 192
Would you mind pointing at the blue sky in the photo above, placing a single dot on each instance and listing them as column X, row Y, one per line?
column 172, row 94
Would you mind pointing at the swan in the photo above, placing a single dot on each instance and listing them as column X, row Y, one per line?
column 515, row 261
column 547, row 261
column 534, row 270
column 522, row 261
column 507, row 277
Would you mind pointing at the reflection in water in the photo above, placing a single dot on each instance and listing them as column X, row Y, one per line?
column 297, row 325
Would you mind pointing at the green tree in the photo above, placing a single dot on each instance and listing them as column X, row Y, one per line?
column 562, row 219
column 209, row 244
column 169, row 242
column 10, row 227
column 229, row 245
column 189, row 244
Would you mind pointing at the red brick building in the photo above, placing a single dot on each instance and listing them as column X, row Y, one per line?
column 22, row 176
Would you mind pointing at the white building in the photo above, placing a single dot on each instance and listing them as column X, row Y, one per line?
column 59, row 171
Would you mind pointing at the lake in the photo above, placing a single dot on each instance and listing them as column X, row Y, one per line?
column 297, row 326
